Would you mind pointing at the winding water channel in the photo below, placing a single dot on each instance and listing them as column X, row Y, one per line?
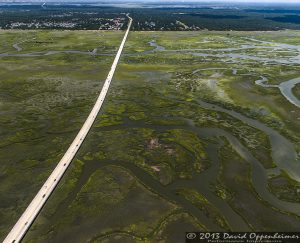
column 201, row 182
column 284, row 87
column 283, row 151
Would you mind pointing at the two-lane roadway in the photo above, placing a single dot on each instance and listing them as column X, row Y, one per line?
column 27, row 218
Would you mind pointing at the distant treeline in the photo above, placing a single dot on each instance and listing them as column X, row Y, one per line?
column 99, row 17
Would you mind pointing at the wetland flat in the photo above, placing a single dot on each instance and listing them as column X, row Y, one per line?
column 199, row 131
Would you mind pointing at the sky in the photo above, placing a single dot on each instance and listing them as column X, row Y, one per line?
column 269, row 1
column 132, row 1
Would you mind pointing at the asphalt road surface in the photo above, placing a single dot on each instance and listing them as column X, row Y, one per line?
column 27, row 218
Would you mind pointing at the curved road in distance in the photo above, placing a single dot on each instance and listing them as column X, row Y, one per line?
column 27, row 218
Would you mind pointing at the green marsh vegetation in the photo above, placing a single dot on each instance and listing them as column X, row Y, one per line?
column 167, row 151
column 44, row 101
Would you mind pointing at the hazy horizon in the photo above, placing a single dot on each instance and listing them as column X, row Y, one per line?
column 169, row 1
